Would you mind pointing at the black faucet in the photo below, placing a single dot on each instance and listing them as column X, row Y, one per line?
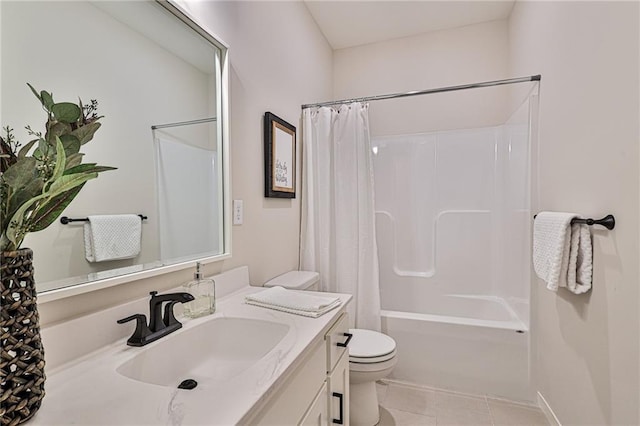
column 159, row 325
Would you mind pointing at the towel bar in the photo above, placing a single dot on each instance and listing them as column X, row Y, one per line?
column 65, row 220
column 608, row 221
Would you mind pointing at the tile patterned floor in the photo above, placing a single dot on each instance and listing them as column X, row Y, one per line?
column 408, row 405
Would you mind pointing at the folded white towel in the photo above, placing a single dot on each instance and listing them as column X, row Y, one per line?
column 562, row 253
column 112, row 237
column 284, row 300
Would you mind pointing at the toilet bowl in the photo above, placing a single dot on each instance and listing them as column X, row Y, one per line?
column 372, row 356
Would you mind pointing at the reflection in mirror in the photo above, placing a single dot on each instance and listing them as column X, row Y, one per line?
column 147, row 69
column 187, row 158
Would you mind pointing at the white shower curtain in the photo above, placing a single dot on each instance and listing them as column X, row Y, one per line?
column 338, row 237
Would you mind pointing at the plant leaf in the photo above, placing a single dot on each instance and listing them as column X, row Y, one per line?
column 65, row 183
column 21, row 173
column 35, row 92
column 88, row 167
column 15, row 223
column 71, row 144
column 85, row 133
column 25, row 149
column 19, row 197
column 42, row 148
column 61, row 160
column 46, row 99
column 49, row 211
column 7, row 156
column 15, row 229
column 66, row 112
column 57, row 129
column 74, row 159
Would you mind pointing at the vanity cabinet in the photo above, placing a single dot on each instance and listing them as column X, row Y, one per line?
column 317, row 392
column 316, row 415
column 338, row 392
column 337, row 341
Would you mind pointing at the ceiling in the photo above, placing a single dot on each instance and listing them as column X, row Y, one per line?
column 350, row 23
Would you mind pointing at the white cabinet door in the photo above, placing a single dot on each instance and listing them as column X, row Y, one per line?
column 337, row 339
column 338, row 393
column 290, row 403
column 317, row 413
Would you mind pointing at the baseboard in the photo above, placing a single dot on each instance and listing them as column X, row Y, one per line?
column 548, row 412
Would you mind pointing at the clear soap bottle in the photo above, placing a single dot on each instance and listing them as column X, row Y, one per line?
column 203, row 291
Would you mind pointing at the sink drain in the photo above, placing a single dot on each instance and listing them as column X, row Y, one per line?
column 188, row 384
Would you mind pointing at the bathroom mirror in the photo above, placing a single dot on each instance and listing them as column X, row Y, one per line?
column 160, row 80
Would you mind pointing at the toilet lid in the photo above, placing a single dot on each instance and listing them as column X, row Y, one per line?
column 370, row 346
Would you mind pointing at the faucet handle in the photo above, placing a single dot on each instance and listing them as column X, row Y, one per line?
column 141, row 331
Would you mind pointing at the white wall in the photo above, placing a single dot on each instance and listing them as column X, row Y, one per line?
column 442, row 58
column 279, row 60
column 587, row 53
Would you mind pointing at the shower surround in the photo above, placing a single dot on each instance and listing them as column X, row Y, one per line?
column 453, row 229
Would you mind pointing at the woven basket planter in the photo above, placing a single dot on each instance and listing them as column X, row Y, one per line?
column 21, row 354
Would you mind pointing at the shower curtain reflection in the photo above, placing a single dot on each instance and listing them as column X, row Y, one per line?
column 188, row 197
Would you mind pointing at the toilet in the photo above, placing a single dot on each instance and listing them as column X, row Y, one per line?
column 372, row 355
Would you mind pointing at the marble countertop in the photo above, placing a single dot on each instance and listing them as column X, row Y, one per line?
column 89, row 390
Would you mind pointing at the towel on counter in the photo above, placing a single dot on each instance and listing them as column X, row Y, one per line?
column 112, row 237
column 562, row 253
column 293, row 302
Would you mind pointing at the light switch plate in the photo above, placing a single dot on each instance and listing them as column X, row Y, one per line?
column 238, row 212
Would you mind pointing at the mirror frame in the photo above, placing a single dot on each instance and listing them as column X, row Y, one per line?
column 180, row 13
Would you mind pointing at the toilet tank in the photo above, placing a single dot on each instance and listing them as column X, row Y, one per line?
column 296, row 280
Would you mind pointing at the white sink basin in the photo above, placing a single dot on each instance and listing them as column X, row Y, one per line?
column 213, row 351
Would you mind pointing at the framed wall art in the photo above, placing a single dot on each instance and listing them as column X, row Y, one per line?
column 279, row 157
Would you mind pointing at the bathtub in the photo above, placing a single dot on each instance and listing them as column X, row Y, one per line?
column 466, row 343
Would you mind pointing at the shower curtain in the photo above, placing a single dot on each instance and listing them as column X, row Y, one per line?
column 338, row 237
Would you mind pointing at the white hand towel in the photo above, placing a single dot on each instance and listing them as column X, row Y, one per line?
column 281, row 299
column 562, row 253
column 112, row 237
column 580, row 270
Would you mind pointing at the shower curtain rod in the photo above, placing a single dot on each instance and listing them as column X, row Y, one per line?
column 183, row 123
column 427, row 91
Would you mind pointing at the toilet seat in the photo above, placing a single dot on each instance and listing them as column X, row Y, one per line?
column 377, row 368
column 370, row 347
column 372, row 360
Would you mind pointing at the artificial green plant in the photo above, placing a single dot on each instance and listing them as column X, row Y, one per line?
column 35, row 188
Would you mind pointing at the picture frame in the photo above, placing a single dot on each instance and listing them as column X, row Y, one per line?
column 279, row 157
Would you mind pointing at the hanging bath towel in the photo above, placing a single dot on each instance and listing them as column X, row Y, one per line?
column 562, row 253
column 112, row 237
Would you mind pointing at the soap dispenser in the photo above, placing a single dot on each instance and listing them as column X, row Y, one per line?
column 203, row 291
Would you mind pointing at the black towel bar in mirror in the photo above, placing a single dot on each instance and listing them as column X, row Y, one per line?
column 608, row 221
column 64, row 219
